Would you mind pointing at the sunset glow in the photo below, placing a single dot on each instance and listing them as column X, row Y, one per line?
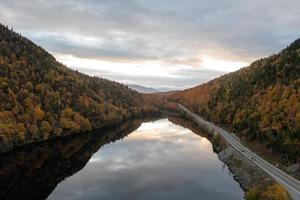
column 157, row 44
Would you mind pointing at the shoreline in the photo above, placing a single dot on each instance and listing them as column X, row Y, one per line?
column 6, row 148
column 247, row 174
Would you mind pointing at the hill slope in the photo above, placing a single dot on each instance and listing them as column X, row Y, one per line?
column 42, row 99
column 259, row 102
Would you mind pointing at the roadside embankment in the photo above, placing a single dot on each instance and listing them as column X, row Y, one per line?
column 256, row 183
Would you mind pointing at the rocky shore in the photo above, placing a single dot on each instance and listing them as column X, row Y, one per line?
column 256, row 183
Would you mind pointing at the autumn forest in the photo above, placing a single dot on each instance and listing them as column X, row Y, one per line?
column 43, row 100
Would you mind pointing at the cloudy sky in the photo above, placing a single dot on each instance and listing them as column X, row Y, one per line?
column 158, row 43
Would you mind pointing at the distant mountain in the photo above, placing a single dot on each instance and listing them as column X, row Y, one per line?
column 260, row 102
column 41, row 99
column 142, row 89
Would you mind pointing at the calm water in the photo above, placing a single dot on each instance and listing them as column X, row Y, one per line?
column 159, row 160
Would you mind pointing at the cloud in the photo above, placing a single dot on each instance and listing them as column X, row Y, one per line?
column 188, row 78
column 157, row 161
column 139, row 31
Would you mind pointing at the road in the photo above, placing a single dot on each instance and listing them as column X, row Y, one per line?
column 291, row 184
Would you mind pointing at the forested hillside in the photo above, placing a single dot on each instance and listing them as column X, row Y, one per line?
column 40, row 98
column 33, row 172
column 260, row 102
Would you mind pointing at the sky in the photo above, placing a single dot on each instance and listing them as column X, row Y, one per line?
column 164, row 44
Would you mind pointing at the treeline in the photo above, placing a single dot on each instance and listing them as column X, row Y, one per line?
column 41, row 99
column 34, row 171
column 260, row 102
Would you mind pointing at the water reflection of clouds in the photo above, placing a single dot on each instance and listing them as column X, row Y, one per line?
column 154, row 162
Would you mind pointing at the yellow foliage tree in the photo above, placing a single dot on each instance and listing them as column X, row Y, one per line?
column 275, row 192
column 252, row 194
column 45, row 128
column 20, row 130
column 38, row 114
column 82, row 122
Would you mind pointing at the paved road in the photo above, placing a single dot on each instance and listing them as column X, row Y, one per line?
column 291, row 184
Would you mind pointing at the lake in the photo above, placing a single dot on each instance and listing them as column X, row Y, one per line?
column 152, row 159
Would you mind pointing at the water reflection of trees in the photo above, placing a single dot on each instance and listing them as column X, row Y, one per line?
column 34, row 171
column 186, row 123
